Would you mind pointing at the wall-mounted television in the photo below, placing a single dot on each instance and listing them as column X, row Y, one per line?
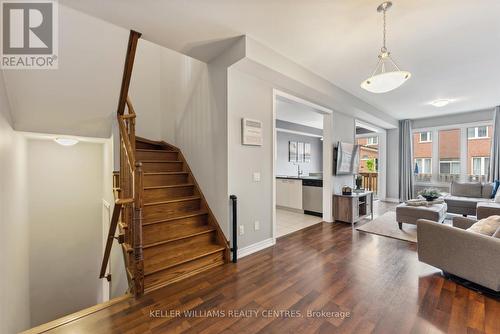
column 347, row 159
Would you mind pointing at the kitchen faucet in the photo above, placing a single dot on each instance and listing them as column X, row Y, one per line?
column 299, row 172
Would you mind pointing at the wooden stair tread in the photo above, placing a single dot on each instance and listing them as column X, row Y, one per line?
column 166, row 173
column 181, row 199
column 188, row 233
column 152, row 150
column 180, row 185
column 162, row 161
column 193, row 253
column 149, row 288
column 183, row 216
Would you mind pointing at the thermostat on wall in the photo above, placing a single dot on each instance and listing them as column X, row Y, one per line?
column 251, row 131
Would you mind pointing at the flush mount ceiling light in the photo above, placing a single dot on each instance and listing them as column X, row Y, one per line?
column 440, row 103
column 387, row 75
column 66, row 141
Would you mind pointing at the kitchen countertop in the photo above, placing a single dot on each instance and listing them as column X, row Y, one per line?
column 299, row 178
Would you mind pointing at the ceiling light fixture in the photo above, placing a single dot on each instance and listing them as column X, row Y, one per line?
column 66, row 141
column 387, row 75
column 440, row 103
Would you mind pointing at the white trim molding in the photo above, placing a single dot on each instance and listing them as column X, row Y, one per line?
column 298, row 133
column 258, row 246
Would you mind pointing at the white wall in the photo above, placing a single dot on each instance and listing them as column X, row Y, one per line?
column 343, row 130
column 65, row 229
column 145, row 90
column 285, row 167
column 14, row 243
column 466, row 117
column 253, row 98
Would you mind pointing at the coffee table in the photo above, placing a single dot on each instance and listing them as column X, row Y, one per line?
column 410, row 214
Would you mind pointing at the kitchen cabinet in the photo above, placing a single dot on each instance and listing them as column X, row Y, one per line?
column 289, row 193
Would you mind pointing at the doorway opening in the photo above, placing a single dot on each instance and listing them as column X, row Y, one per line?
column 372, row 155
column 302, row 164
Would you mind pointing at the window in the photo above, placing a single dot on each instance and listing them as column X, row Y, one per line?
column 425, row 137
column 449, row 167
column 480, row 166
column 372, row 141
column 423, row 166
column 477, row 132
column 478, row 152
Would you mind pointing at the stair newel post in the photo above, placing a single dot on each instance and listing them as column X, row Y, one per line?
column 138, row 251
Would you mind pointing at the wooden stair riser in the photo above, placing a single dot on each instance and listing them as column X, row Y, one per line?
column 157, row 155
column 162, row 166
column 173, row 229
column 182, row 271
column 147, row 146
column 173, row 253
column 162, row 194
column 165, row 179
column 170, row 210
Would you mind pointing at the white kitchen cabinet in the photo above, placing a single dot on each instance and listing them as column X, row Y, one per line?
column 289, row 193
column 281, row 192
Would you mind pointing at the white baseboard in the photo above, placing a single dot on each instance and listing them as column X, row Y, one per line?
column 242, row 252
column 391, row 200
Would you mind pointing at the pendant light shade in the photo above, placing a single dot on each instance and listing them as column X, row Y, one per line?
column 387, row 75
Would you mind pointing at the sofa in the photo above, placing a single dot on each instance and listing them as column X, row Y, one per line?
column 468, row 255
column 464, row 197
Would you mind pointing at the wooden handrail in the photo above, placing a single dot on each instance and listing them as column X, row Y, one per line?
column 111, row 235
column 127, row 185
column 127, row 70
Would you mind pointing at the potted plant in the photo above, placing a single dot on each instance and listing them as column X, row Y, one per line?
column 430, row 194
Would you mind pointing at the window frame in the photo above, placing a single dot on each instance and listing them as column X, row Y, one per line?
column 369, row 141
column 476, row 132
column 450, row 162
column 484, row 170
column 429, row 137
column 423, row 164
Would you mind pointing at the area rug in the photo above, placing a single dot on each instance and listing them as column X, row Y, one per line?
column 387, row 226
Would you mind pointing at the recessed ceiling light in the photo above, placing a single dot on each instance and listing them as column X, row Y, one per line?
column 440, row 103
column 66, row 141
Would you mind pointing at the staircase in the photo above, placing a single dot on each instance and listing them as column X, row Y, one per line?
column 180, row 234
column 166, row 229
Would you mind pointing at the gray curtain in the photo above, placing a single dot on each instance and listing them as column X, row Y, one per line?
column 494, row 172
column 406, row 183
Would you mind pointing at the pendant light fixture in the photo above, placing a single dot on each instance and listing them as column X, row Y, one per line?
column 387, row 75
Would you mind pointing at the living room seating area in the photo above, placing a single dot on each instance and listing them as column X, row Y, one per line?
column 461, row 252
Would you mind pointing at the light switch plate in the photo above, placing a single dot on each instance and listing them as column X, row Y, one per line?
column 256, row 176
column 242, row 229
column 256, row 225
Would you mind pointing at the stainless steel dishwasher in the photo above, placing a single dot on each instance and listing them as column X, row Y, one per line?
column 312, row 197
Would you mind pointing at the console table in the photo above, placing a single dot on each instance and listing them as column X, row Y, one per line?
column 352, row 208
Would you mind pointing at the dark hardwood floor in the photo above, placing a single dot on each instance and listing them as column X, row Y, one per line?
column 369, row 283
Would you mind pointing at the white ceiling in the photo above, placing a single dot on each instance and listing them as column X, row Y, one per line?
column 451, row 47
column 80, row 97
column 298, row 113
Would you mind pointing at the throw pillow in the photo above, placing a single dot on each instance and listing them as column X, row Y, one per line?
column 496, row 184
column 497, row 233
column 487, row 226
